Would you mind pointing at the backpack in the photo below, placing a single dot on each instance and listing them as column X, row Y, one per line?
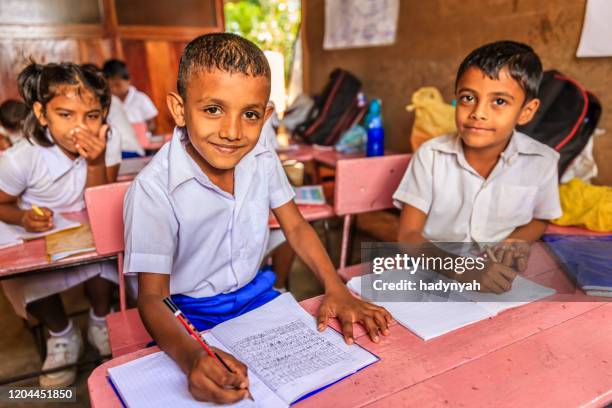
column 335, row 110
column 566, row 119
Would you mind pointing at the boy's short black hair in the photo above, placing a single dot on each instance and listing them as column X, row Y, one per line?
column 116, row 68
column 223, row 51
column 524, row 65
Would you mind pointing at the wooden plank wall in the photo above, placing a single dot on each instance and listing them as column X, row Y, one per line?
column 151, row 53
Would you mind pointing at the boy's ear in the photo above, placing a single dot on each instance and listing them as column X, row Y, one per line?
column 176, row 106
column 39, row 112
column 268, row 112
column 528, row 111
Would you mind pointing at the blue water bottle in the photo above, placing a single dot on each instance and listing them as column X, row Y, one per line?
column 376, row 133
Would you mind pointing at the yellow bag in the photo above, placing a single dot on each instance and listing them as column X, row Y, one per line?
column 586, row 205
column 433, row 117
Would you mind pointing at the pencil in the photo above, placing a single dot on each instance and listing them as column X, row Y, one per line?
column 37, row 210
column 196, row 335
column 490, row 254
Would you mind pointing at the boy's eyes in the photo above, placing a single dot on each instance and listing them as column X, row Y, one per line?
column 251, row 115
column 500, row 102
column 466, row 98
column 213, row 110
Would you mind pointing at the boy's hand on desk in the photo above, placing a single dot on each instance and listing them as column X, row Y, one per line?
column 34, row 222
column 348, row 309
column 494, row 278
column 209, row 381
column 513, row 253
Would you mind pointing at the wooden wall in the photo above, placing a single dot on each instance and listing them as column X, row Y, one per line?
column 151, row 52
column 434, row 36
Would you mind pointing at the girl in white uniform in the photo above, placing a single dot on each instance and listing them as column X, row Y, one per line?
column 69, row 148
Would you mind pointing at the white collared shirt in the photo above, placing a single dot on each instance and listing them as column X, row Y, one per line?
column 178, row 222
column 462, row 206
column 117, row 118
column 45, row 176
column 138, row 106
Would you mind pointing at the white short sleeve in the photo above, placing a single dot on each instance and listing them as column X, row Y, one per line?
column 13, row 174
column 120, row 123
column 150, row 229
column 146, row 106
column 112, row 156
column 547, row 203
column 417, row 184
column 281, row 191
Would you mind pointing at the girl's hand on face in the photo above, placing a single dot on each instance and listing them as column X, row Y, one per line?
column 89, row 145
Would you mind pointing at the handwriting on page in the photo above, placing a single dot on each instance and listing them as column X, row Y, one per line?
column 288, row 352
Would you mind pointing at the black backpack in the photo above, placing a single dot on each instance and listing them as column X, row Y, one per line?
column 334, row 111
column 566, row 119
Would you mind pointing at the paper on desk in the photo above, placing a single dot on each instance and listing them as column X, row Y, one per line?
column 429, row 316
column 156, row 381
column 8, row 237
column 66, row 243
column 59, row 224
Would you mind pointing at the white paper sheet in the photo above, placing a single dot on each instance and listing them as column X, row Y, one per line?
column 8, row 237
column 430, row 316
column 360, row 23
column 59, row 224
column 156, row 381
column 596, row 38
column 279, row 341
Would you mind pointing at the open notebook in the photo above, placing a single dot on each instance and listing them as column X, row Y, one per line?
column 8, row 237
column 429, row 315
column 59, row 224
column 287, row 359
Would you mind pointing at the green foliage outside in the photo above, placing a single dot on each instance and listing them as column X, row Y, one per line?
column 271, row 24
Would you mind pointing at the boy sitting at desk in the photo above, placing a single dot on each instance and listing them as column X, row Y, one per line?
column 196, row 218
column 488, row 183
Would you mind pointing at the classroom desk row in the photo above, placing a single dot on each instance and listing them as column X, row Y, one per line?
column 556, row 352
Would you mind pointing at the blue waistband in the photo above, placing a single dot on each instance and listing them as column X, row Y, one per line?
column 207, row 312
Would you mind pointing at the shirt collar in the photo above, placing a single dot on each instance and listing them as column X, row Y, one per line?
column 56, row 160
column 519, row 144
column 130, row 94
column 181, row 166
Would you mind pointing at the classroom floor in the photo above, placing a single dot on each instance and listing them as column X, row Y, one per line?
column 18, row 350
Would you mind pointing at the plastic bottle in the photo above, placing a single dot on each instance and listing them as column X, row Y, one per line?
column 376, row 133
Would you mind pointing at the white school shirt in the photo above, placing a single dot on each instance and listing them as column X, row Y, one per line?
column 45, row 176
column 178, row 222
column 138, row 106
column 117, row 118
column 462, row 206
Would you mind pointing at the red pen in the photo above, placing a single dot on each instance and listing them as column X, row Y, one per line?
column 196, row 335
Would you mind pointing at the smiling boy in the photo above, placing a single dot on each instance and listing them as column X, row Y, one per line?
column 196, row 218
column 488, row 183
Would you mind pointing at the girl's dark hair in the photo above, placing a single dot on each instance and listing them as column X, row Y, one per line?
column 12, row 114
column 40, row 83
column 524, row 65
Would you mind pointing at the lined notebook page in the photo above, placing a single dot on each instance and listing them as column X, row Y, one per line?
column 59, row 224
column 8, row 237
column 156, row 381
column 280, row 343
column 431, row 316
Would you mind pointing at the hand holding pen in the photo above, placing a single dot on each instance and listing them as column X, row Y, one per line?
column 214, row 375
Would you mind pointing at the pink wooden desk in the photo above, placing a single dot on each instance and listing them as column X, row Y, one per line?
column 331, row 157
column 537, row 354
column 31, row 256
column 558, row 229
column 297, row 151
column 309, row 212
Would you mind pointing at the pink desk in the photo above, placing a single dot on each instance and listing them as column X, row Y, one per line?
column 298, row 151
column 558, row 229
column 553, row 353
column 309, row 212
column 31, row 256
column 331, row 157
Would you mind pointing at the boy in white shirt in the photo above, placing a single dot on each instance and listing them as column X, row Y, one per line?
column 196, row 218
column 138, row 106
column 488, row 183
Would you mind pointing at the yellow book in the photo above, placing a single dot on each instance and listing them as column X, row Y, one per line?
column 75, row 241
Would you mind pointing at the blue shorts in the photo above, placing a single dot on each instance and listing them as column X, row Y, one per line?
column 208, row 312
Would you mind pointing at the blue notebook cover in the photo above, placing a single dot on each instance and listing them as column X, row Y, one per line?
column 587, row 259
